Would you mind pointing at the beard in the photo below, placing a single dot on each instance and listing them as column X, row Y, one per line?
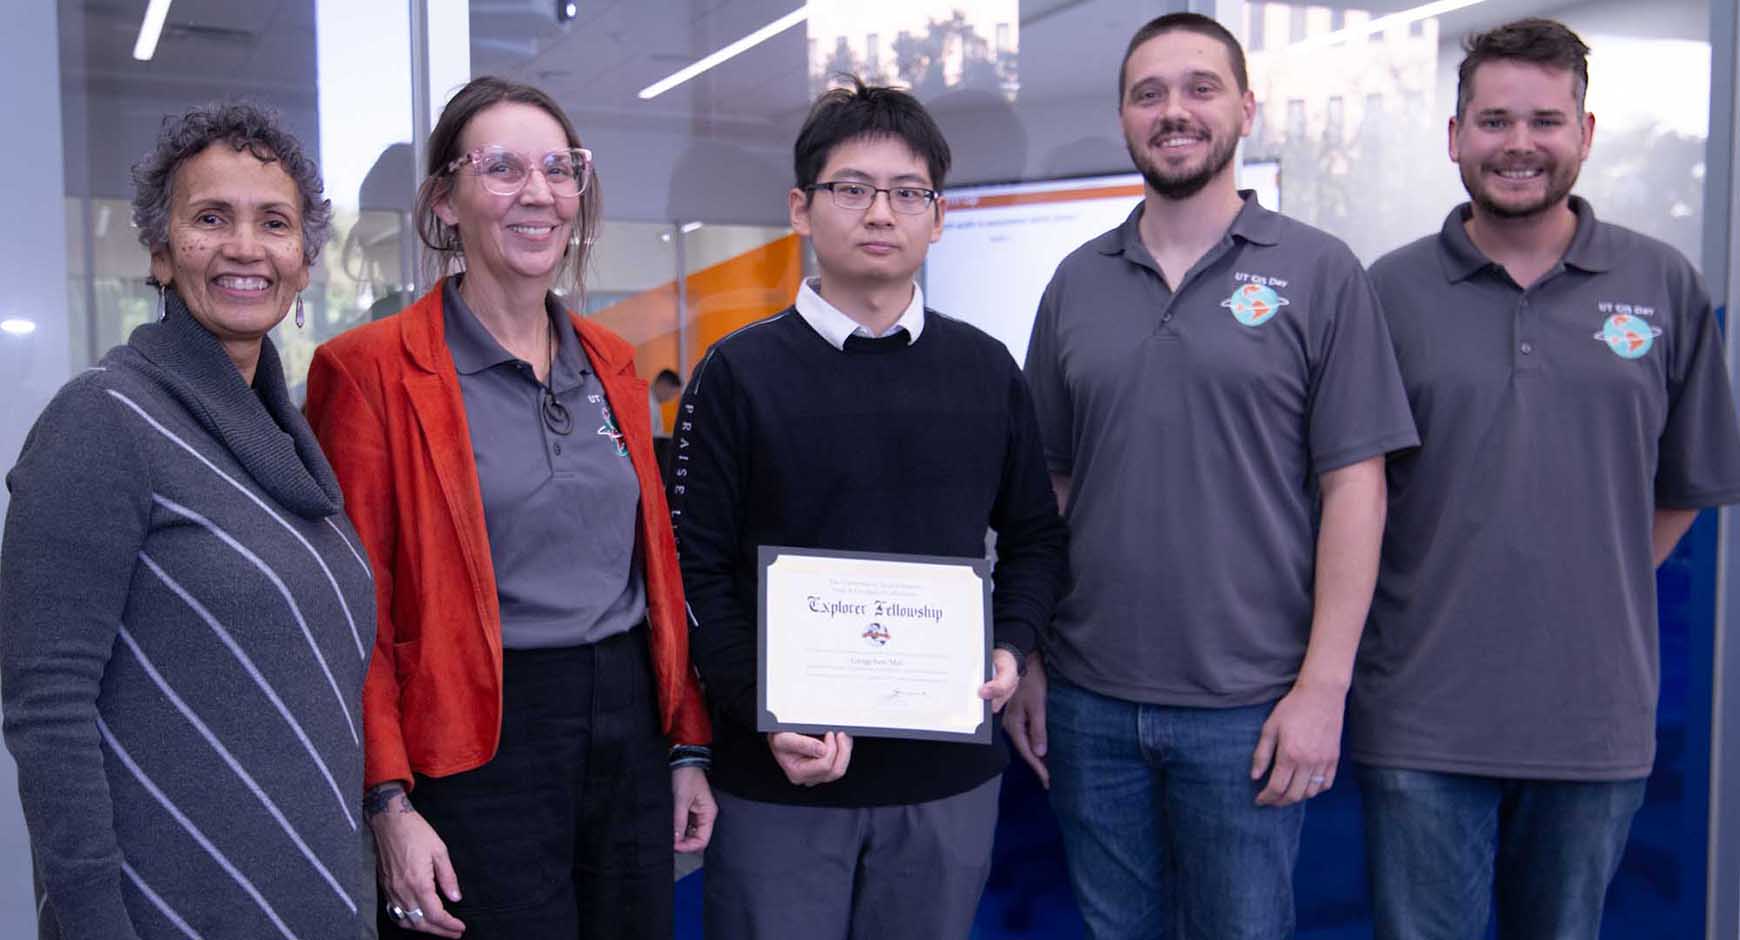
column 1559, row 179
column 1182, row 184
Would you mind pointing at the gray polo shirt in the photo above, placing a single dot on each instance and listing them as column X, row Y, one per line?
column 560, row 509
column 1513, row 632
column 1193, row 425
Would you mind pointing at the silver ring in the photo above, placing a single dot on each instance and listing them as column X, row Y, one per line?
column 415, row 913
column 1319, row 781
column 395, row 911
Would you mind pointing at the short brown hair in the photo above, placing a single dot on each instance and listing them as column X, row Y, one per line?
column 1189, row 23
column 1547, row 43
column 441, row 242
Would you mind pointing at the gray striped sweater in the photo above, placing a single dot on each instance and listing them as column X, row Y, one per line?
column 185, row 620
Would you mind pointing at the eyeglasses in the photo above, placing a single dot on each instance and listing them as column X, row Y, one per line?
column 504, row 172
column 906, row 200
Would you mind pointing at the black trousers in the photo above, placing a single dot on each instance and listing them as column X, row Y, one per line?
column 567, row 832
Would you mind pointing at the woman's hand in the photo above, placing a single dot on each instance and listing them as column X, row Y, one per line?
column 695, row 809
column 411, row 861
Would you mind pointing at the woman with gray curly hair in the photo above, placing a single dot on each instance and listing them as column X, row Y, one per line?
column 186, row 614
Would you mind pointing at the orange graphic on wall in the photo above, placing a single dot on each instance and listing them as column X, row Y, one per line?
column 723, row 297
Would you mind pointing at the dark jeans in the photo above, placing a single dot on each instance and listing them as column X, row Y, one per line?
column 566, row 833
column 1440, row 846
column 1161, row 831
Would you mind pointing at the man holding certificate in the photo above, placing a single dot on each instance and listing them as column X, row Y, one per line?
column 835, row 469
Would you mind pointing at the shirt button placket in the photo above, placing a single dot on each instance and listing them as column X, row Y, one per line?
column 1525, row 346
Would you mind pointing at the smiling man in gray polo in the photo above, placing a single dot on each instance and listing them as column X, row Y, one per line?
column 1203, row 374
column 1574, row 413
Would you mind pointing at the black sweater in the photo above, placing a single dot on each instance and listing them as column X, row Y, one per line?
column 886, row 446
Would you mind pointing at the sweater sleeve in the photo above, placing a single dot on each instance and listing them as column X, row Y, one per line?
column 1032, row 564
column 80, row 509
column 353, row 434
column 708, row 486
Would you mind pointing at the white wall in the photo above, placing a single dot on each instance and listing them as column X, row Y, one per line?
column 32, row 367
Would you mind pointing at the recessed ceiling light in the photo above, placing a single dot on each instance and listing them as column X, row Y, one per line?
column 725, row 54
column 18, row 326
column 150, row 29
column 1378, row 24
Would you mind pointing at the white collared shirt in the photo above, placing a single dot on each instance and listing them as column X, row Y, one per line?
column 836, row 327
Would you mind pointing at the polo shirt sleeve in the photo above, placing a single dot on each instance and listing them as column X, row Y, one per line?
column 1032, row 563
column 1050, row 394
column 1358, row 406
column 1698, row 462
column 707, row 490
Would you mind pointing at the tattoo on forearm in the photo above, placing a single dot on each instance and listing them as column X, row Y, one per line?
column 384, row 797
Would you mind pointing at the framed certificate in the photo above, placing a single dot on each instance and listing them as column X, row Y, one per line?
column 891, row 646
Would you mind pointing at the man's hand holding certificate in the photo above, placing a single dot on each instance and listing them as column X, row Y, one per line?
column 875, row 645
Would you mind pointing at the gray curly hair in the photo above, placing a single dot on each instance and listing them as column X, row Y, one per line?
column 244, row 126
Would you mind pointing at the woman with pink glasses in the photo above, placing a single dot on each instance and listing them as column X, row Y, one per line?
column 535, row 738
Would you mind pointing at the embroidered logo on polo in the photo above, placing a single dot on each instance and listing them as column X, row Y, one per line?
column 1625, row 331
column 1256, row 301
column 609, row 428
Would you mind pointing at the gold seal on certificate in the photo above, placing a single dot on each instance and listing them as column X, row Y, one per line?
column 892, row 646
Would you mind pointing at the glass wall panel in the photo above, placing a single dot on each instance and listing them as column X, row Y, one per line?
column 338, row 74
column 710, row 152
column 1355, row 110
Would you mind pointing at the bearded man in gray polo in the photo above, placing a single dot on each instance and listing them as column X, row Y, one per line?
column 1206, row 376
column 1567, row 379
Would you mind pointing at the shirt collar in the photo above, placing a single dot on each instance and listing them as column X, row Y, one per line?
column 474, row 350
column 835, row 327
column 1253, row 223
column 1591, row 247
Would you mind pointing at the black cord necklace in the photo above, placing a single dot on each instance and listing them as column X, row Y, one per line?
column 556, row 415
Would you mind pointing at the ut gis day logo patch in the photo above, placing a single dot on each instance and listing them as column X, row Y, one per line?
column 1257, row 300
column 1626, row 332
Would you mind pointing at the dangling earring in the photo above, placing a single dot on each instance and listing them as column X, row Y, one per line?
column 162, row 308
column 301, row 317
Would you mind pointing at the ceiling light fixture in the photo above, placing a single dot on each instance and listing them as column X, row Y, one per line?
column 150, row 29
column 18, row 326
column 1381, row 23
column 729, row 52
